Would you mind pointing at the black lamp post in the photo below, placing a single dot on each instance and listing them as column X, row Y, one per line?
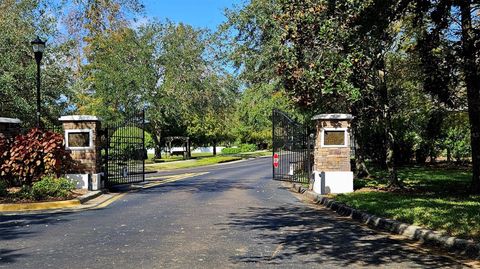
column 38, row 48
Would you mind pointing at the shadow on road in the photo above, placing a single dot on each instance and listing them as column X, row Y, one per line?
column 321, row 238
column 21, row 226
column 199, row 185
column 9, row 256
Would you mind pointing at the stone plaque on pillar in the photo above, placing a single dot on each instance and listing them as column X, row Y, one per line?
column 82, row 138
column 332, row 171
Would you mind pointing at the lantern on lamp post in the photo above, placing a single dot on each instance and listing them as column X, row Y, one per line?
column 38, row 49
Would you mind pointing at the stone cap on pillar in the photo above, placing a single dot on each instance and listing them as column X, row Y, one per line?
column 334, row 116
column 79, row 118
column 10, row 120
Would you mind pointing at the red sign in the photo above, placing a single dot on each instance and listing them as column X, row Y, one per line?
column 275, row 160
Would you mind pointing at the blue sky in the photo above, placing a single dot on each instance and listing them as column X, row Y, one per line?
column 198, row 13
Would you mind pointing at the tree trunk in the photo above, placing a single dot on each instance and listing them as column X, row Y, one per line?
column 433, row 157
column 472, row 81
column 214, row 148
column 360, row 166
column 156, row 136
column 449, row 155
column 393, row 181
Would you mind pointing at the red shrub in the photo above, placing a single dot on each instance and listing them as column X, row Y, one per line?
column 4, row 147
column 4, row 153
column 35, row 155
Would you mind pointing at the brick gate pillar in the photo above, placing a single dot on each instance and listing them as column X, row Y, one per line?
column 332, row 171
column 83, row 139
column 9, row 127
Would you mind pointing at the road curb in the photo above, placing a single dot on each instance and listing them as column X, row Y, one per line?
column 463, row 247
column 89, row 196
column 8, row 208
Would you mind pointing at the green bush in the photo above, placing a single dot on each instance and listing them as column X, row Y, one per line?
column 49, row 186
column 457, row 137
column 134, row 134
column 241, row 148
column 25, row 193
column 227, row 151
column 359, row 183
column 3, row 188
column 248, row 147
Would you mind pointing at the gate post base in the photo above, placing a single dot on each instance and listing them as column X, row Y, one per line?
column 91, row 182
column 333, row 182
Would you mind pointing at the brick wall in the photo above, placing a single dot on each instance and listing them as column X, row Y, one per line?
column 328, row 159
column 9, row 130
column 89, row 160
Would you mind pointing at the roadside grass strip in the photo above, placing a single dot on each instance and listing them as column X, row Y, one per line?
column 208, row 156
column 436, row 198
column 191, row 163
column 464, row 250
column 151, row 160
column 255, row 154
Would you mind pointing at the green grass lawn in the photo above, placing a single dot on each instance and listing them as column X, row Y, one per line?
column 150, row 159
column 191, row 163
column 199, row 159
column 255, row 154
column 243, row 155
column 435, row 197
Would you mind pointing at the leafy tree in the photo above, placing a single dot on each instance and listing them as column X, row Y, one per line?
column 186, row 93
column 20, row 22
column 100, row 32
column 253, row 41
column 209, row 124
column 315, row 61
column 319, row 45
column 120, row 74
column 89, row 18
column 449, row 38
column 179, row 67
column 254, row 113
column 457, row 138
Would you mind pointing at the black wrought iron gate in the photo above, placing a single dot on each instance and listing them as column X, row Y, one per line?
column 292, row 158
column 124, row 151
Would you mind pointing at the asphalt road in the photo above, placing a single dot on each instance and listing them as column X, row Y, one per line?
column 235, row 216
